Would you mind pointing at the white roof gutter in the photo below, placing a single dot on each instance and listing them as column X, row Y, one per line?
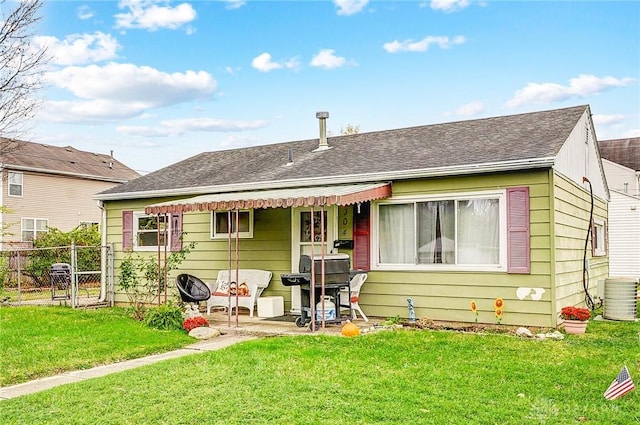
column 351, row 178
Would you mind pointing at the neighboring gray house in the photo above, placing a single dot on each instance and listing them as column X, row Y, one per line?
column 621, row 162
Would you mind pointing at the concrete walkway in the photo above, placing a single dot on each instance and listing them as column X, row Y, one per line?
column 81, row 375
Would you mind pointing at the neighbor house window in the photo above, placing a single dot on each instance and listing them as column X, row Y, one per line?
column 88, row 224
column 599, row 238
column 220, row 224
column 457, row 232
column 33, row 227
column 15, row 184
column 148, row 230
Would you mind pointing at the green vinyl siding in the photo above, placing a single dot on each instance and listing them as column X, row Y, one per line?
column 446, row 295
column 558, row 211
column 269, row 249
column 572, row 206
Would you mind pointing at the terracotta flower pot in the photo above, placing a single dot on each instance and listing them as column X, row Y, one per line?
column 575, row 327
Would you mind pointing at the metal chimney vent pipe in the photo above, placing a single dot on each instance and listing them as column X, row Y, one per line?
column 322, row 117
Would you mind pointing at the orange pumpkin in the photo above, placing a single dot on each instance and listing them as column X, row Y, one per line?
column 350, row 329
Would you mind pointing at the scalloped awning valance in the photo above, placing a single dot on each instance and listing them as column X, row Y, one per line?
column 276, row 198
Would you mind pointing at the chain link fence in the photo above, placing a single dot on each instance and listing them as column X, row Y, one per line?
column 66, row 275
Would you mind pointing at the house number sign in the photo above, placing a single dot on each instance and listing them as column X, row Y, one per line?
column 345, row 222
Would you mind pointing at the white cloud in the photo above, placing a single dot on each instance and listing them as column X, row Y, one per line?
column 423, row 45
column 602, row 119
column 350, row 7
column 580, row 86
column 235, row 4
column 449, row 5
column 85, row 12
column 263, row 63
column 609, row 126
column 90, row 111
column 471, row 109
column 326, row 59
column 153, row 15
column 79, row 49
column 124, row 90
column 631, row 133
column 179, row 127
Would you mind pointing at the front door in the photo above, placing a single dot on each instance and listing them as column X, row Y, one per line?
column 301, row 224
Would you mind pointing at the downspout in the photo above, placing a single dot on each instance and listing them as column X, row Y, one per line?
column 103, row 256
column 553, row 281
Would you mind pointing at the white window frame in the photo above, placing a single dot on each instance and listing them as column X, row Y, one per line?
column 599, row 238
column 225, row 235
column 35, row 230
column 11, row 176
column 136, row 218
column 500, row 195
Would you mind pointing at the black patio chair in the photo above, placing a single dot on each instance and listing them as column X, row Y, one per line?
column 192, row 289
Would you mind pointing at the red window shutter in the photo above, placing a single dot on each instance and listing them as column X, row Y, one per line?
column 361, row 237
column 127, row 230
column 176, row 231
column 518, row 230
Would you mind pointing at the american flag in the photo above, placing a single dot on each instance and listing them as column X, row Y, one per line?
column 620, row 386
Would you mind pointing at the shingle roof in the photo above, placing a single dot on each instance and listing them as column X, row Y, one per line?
column 18, row 154
column 457, row 144
column 622, row 151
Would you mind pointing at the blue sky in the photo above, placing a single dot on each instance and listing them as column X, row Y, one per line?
column 160, row 81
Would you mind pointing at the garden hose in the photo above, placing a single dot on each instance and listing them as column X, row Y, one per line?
column 585, row 272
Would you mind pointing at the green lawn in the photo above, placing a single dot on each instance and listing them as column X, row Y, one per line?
column 42, row 341
column 391, row 377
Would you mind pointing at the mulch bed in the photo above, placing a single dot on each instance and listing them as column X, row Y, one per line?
column 469, row 327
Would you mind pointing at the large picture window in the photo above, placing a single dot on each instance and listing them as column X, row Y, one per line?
column 457, row 232
column 220, row 224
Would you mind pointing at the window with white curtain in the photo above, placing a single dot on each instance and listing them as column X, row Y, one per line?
column 455, row 232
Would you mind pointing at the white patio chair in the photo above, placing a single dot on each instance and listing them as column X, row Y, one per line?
column 356, row 284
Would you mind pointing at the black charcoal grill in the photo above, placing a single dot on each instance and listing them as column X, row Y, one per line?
column 60, row 276
column 336, row 270
column 336, row 277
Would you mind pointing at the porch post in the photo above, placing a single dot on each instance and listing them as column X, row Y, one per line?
column 228, row 268
column 312, row 289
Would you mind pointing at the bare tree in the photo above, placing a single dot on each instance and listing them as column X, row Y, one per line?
column 22, row 65
column 349, row 129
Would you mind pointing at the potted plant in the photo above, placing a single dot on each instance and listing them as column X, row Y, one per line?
column 575, row 319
